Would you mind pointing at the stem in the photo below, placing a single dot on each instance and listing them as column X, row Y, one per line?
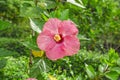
column 36, row 1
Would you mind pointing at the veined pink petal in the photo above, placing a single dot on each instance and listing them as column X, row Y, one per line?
column 56, row 52
column 68, row 28
column 31, row 79
column 45, row 41
column 52, row 25
column 71, row 44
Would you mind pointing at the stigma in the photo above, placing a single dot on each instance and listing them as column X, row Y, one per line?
column 57, row 38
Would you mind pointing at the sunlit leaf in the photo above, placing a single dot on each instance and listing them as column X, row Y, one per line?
column 44, row 17
column 101, row 68
column 34, row 26
column 75, row 3
column 90, row 71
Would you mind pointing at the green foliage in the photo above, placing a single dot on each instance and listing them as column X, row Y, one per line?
column 90, row 71
column 16, row 68
column 98, row 23
column 11, row 46
column 112, row 75
column 38, row 69
column 63, row 15
column 31, row 43
column 4, row 25
column 5, row 53
column 2, row 63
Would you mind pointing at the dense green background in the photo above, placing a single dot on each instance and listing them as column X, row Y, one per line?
column 99, row 34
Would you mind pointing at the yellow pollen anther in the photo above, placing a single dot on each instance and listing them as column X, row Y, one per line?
column 57, row 38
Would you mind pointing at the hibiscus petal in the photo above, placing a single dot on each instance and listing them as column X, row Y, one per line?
column 31, row 79
column 56, row 52
column 52, row 25
column 72, row 45
column 45, row 41
column 68, row 28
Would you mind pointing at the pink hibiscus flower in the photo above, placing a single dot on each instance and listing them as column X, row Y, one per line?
column 58, row 39
column 31, row 79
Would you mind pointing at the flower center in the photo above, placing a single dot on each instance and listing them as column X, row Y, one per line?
column 57, row 38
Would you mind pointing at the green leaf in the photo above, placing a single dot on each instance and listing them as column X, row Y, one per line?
column 61, row 14
column 38, row 68
column 33, row 12
column 44, row 16
column 4, row 25
column 101, row 68
column 118, row 62
column 81, row 37
column 5, row 53
column 113, row 56
column 55, row 14
column 50, row 4
column 34, row 26
column 117, row 69
column 90, row 71
column 30, row 45
column 112, row 75
column 64, row 14
column 75, row 3
column 2, row 63
column 28, row 3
